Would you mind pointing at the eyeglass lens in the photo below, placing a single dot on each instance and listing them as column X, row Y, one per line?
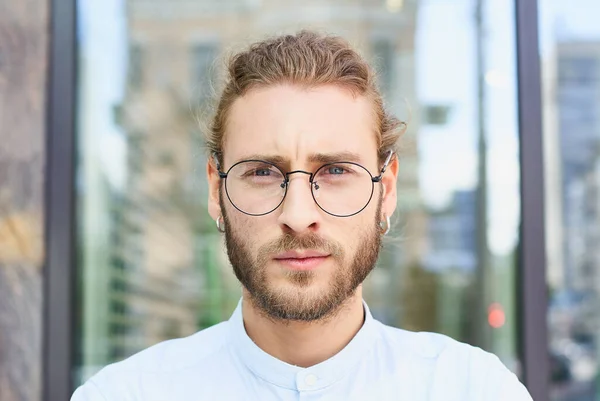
column 258, row 187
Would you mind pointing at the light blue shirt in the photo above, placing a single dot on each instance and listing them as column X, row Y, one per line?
column 380, row 363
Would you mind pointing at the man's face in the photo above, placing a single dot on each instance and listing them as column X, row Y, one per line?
column 298, row 262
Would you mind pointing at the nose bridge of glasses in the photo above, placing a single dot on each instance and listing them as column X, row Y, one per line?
column 298, row 208
column 286, row 183
column 310, row 175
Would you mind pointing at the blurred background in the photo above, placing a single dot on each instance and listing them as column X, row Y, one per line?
column 147, row 261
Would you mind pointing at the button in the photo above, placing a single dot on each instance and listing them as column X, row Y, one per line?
column 310, row 380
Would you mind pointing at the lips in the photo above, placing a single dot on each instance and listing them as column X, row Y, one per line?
column 301, row 260
column 301, row 254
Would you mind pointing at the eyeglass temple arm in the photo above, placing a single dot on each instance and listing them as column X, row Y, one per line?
column 218, row 165
column 385, row 165
column 387, row 161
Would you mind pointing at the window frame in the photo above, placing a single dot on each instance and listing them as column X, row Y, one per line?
column 59, row 231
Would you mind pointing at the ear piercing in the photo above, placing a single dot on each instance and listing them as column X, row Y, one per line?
column 385, row 225
column 220, row 224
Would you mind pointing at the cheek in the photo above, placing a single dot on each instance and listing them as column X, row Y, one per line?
column 371, row 213
column 349, row 235
column 252, row 230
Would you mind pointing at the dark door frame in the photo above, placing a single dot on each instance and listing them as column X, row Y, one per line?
column 532, row 297
column 59, row 266
column 60, row 239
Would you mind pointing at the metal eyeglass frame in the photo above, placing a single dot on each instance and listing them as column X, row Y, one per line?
column 285, row 183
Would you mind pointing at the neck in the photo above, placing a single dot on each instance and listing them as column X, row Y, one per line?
column 304, row 344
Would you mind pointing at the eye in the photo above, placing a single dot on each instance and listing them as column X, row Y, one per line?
column 258, row 171
column 336, row 170
column 339, row 172
column 262, row 172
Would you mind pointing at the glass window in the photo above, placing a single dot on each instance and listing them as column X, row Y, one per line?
column 570, row 60
column 152, row 264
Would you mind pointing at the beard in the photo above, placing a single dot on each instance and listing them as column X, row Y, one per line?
column 298, row 301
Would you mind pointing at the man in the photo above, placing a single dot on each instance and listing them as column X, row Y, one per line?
column 302, row 180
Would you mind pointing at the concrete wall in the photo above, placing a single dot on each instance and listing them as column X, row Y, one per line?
column 23, row 54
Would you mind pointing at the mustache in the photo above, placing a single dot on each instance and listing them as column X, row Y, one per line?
column 290, row 242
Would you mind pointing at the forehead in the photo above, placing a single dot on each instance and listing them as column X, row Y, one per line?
column 295, row 123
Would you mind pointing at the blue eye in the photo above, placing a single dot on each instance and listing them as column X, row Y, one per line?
column 262, row 172
column 336, row 170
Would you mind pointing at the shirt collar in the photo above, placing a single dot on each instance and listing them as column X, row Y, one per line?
column 293, row 377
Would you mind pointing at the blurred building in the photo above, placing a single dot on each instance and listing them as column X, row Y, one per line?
column 573, row 315
column 578, row 98
column 453, row 235
column 452, row 257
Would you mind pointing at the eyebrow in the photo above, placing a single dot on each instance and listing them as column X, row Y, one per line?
column 278, row 160
column 323, row 158
column 334, row 157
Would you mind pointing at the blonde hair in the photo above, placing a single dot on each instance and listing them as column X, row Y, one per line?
column 307, row 59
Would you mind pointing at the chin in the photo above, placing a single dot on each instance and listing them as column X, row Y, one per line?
column 300, row 293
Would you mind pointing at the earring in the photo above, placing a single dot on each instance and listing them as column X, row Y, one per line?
column 220, row 225
column 385, row 225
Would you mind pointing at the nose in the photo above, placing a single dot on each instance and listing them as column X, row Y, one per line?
column 299, row 213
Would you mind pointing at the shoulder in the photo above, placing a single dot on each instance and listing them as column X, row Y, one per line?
column 176, row 354
column 166, row 357
column 453, row 362
column 424, row 345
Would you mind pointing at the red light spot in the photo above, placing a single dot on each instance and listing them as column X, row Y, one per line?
column 496, row 316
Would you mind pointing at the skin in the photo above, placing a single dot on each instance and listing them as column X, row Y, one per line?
column 294, row 123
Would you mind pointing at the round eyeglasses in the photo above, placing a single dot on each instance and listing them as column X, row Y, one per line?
column 341, row 189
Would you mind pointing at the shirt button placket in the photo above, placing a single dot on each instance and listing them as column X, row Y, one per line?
column 306, row 381
column 310, row 380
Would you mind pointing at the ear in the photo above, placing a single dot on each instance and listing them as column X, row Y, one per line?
column 389, row 180
column 214, row 183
